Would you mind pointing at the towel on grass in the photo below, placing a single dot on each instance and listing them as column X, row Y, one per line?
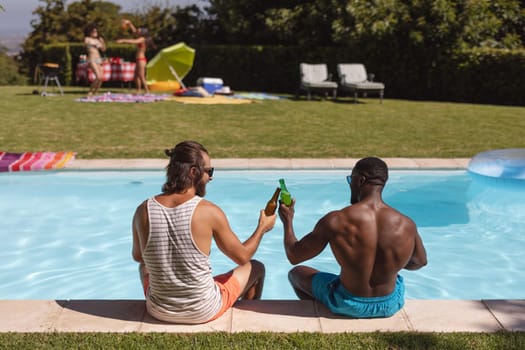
column 258, row 96
column 212, row 100
column 29, row 161
column 127, row 98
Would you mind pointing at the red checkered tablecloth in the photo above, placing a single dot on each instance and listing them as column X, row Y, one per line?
column 123, row 71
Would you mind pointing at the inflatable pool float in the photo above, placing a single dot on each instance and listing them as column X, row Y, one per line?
column 169, row 85
column 500, row 163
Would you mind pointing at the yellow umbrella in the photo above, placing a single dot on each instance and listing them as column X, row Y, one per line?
column 173, row 61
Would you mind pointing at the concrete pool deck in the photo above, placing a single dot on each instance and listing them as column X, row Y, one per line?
column 264, row 315
column 268, row 163
column 282, row 316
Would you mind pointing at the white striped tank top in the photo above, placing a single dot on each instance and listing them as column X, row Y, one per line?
column 182, row 289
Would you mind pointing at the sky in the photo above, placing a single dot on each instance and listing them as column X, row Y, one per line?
column 16, row 18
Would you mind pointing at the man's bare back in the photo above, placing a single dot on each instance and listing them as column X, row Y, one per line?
column 370, row 240
column 376, row 243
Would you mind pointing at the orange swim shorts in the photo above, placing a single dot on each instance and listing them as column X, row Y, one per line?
column 230, row 291
column 228, row 284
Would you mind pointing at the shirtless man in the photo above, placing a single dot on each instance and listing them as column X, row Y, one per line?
column 371, row 242
column 173, row 257
column 94, row 44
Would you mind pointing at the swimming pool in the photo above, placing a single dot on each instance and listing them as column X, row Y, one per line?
column 66, row 235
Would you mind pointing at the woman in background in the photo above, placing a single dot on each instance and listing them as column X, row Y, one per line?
column 142, row 40
column 94, row 44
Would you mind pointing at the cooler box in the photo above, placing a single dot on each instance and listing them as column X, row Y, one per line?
column 210, row 84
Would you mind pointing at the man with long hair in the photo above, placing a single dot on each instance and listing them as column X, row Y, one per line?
column 172, row 237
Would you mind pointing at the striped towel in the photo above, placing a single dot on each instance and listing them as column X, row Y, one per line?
column 112, row 97
column 28, row 161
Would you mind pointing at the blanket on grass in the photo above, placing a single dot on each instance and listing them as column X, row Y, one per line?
column 28, row 161
column 241, row 98
column 125, row 98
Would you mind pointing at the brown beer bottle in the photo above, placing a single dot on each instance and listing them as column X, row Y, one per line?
column 272, row 203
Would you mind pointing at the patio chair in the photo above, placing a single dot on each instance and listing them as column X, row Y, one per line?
column 315, row 77
column 353, row 78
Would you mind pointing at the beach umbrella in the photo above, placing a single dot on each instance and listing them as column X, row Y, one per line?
column 171, row 62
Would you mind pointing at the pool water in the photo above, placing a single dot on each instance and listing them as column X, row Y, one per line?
column 67, row 235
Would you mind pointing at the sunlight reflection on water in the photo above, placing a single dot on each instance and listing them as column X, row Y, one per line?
column 67, row 234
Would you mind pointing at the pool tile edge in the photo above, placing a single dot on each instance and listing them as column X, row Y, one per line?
column 270, row 163
column 123, row 316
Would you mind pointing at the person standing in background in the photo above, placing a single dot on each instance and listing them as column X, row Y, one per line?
column 94, row 44
column 142, row 40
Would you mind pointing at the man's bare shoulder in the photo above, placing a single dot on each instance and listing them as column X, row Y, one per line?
column 142, row 207
column 406, row 220
column 337, row 220
column 210, row 205
column 394, row 221
column 357, row 211
column 209, row 208
column 336, row 214
column 140, row 219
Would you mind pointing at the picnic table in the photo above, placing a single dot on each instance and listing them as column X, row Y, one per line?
column 114, row 70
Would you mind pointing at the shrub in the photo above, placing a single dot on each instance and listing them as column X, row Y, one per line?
column 471, row 75
column 9, row 71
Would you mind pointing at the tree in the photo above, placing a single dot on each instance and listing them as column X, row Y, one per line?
column 241, row 21
column 47, row 28
column 171, row 25
column 418, row 23
column 105, row 14
column 419, row 31
column 498, row 24
column 305, row 23
column 9, row 70
column 56, row 24
column 160, row 24
column 186, row 24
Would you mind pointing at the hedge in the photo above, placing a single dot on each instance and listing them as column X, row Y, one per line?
column 493, row 76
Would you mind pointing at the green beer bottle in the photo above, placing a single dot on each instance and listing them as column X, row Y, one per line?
column 286, row 197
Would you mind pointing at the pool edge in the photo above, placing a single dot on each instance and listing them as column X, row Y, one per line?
column 277, row 316
column 270, row 163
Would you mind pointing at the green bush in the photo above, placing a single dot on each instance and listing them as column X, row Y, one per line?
column 9, row 71
column 489, row 76
column 476, row 75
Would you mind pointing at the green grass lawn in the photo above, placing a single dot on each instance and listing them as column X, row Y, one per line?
column 242, row 341
column 283, row 128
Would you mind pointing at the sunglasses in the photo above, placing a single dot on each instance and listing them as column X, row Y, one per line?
column 209, row 171
column 349, row 179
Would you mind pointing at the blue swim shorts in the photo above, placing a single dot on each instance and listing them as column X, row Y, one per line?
column 327, row 288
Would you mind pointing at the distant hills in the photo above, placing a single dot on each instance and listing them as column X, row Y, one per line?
column 12, row 42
